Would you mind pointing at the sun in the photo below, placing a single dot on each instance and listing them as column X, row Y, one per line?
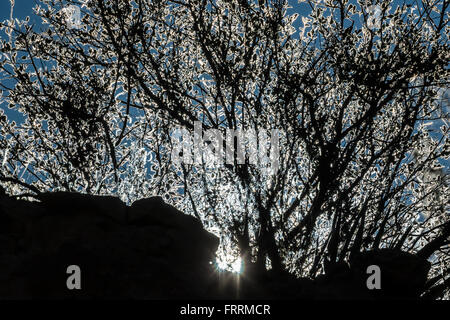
column 229, row 263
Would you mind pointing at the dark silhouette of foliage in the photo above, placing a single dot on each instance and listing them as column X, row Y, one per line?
column 363, row 131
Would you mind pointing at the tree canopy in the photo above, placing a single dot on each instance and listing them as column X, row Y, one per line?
column 356, row 94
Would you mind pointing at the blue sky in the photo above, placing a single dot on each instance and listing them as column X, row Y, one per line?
column 23, row 8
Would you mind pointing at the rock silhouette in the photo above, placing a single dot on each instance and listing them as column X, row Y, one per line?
column 150, row 250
